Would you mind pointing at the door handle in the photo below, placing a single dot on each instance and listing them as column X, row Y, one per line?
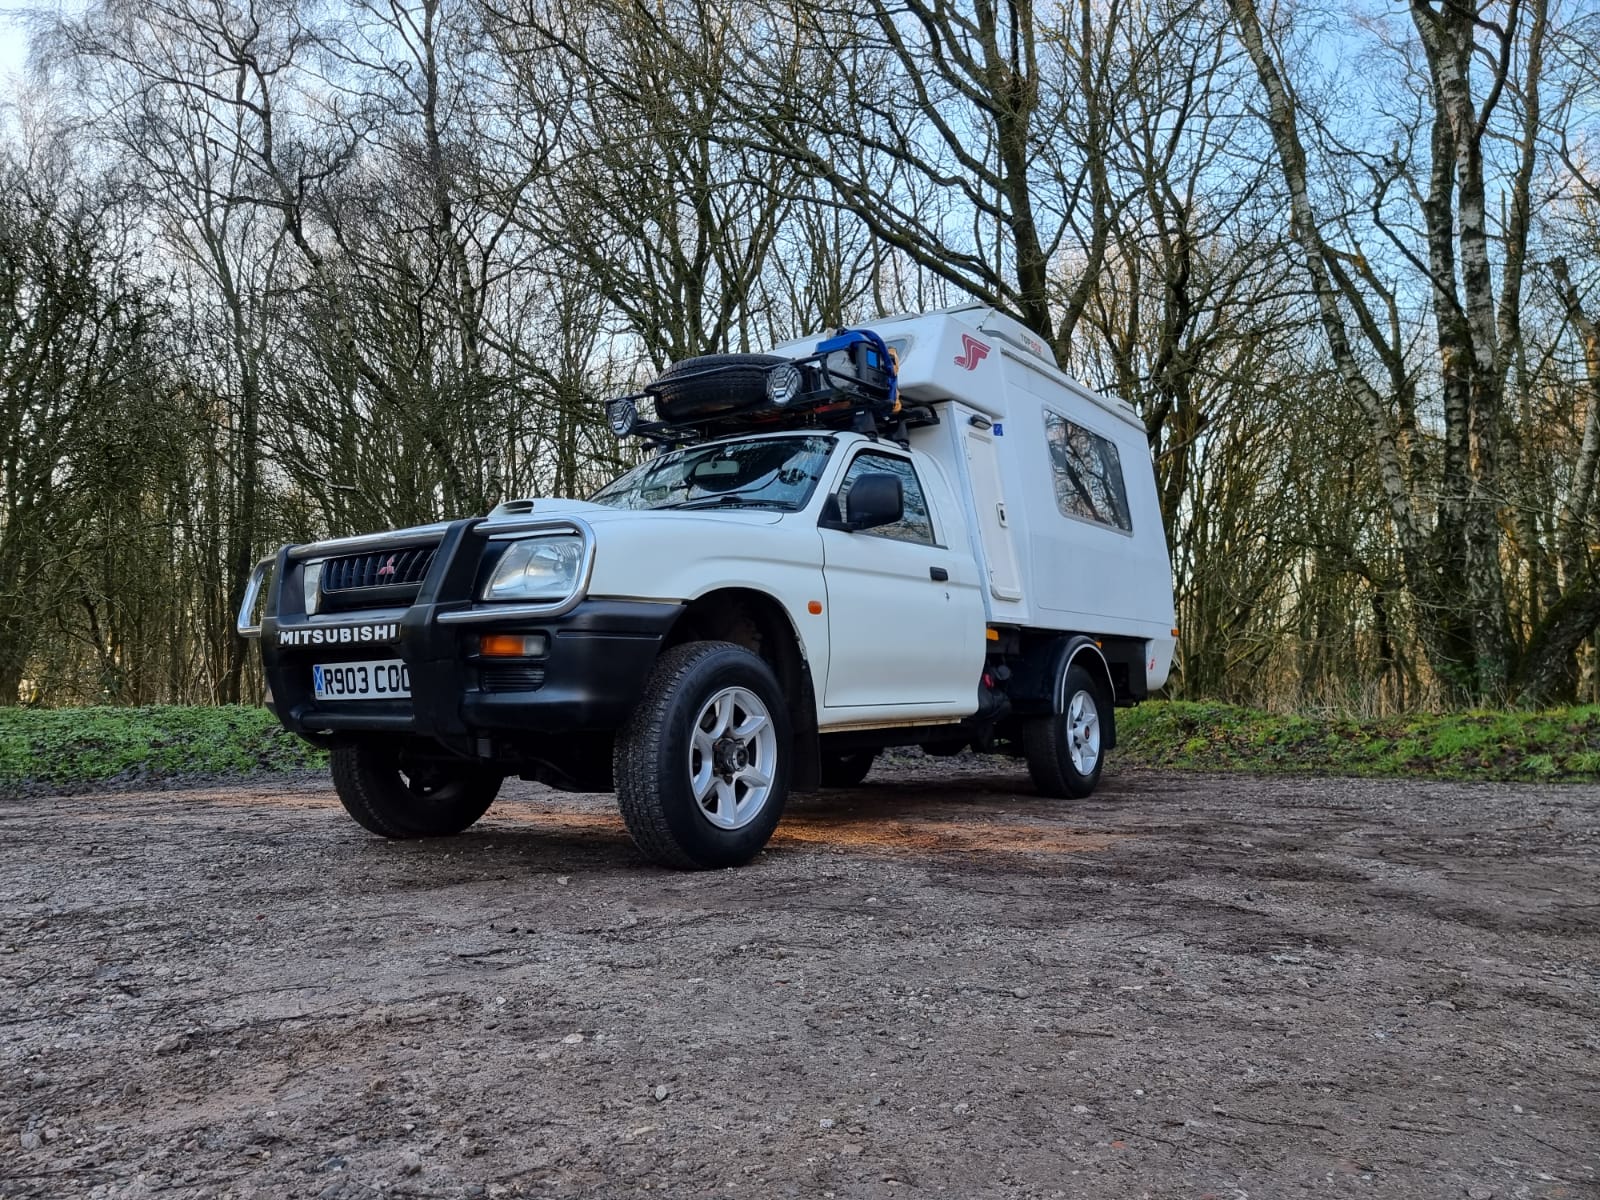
column 938, row 574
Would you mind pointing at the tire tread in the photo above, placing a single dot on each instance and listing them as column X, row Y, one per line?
column 368, row 785
column 1044, row 744
column 353, row 783
column 741, row 384
column 637, row 756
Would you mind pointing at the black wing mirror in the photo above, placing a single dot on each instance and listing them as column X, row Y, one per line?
column 876, row 498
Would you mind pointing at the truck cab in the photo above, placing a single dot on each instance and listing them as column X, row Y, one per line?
column 915, row 533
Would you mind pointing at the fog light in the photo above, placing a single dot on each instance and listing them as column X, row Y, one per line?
column 513, row 645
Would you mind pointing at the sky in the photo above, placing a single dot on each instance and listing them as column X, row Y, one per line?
column 13, row 44
column 13, row 31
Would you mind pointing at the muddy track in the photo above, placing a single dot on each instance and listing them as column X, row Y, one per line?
column 934, row 984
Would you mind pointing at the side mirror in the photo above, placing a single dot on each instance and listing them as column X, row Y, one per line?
column 876, row 498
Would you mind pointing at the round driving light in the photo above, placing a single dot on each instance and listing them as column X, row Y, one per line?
column 784, row 384
column 622, row 416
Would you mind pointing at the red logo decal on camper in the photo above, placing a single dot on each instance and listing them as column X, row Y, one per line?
column 972, row 353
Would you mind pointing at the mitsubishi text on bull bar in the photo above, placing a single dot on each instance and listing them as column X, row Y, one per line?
column 339, row 635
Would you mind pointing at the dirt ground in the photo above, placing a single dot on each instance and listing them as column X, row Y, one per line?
column 936, row 984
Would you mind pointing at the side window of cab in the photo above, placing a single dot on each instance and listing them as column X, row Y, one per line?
column 914, row 525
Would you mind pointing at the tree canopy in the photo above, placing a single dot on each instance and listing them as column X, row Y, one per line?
column 278, row 270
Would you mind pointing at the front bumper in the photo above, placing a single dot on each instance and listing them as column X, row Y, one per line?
column 598, row 655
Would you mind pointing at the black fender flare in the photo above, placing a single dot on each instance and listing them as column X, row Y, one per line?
column 792, row 664
column 1069, row 650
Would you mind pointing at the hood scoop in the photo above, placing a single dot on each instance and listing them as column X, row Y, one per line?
column 513, row 508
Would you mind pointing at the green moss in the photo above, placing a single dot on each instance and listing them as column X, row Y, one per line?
column 1542, row 766
column 1583, row 764
column 62, row 746
column 1562, row 744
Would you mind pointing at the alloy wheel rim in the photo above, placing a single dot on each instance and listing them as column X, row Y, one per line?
column 1083, row 732
column 733, row 758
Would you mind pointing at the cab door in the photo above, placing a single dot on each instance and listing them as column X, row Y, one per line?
column 905, row 613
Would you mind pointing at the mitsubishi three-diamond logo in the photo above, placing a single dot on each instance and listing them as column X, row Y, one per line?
column 972, row 353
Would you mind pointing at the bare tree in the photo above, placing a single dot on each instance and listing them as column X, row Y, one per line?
column 1436, row 178
column 74, row 357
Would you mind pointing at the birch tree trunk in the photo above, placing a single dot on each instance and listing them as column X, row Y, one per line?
column 1448, row 526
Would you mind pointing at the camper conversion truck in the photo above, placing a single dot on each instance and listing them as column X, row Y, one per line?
column 917, row 532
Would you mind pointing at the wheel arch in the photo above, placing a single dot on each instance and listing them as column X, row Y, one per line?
column 1085, row 651
column 760, row 623
column 1056, row 658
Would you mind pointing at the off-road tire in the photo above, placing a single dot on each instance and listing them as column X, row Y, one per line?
column 1047, row 742
column 652, row 758
column 846, row 770
column 740, row 385
column 375, row 792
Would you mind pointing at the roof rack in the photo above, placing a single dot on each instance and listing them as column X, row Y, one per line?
column 849, row 381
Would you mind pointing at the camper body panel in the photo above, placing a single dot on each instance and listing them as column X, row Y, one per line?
column 1012, row 430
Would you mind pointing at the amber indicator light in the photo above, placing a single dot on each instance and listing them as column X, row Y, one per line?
column 511, row 645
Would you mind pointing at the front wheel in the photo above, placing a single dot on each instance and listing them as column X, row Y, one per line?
column 1064, row 750
column 398, row 799
column 702, row 765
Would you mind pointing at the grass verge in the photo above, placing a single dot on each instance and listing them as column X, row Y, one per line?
column 66, row 746
column 1555, row 745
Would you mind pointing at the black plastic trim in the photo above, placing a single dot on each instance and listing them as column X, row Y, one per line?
column 601, row 652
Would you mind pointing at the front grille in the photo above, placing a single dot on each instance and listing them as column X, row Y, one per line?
column 387, row 568
column 512, row 679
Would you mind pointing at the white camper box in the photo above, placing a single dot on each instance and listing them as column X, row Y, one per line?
column 1001, row 399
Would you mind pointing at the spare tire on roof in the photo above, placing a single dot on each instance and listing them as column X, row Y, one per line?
column 713, row 385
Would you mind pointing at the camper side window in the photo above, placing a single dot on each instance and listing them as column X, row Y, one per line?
column 915, row 525
column 1088, row 474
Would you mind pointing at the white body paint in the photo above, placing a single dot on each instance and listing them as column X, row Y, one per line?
column 892, row 645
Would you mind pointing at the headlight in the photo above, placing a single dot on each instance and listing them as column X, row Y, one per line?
column 536, row 569
column 310, row 582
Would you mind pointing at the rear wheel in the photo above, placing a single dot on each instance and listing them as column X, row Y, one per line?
column 396, row 798
column 702, row 765
column 1064, row 750
column 846, row 770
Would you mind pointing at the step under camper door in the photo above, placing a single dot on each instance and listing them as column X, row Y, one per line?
column 999, row 552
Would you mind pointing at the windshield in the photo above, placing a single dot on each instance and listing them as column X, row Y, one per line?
column 774, row 473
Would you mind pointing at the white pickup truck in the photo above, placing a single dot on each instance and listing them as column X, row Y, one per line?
column 914, row 533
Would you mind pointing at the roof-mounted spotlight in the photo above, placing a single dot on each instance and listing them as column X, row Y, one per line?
column 622, row 415
column 784, row 384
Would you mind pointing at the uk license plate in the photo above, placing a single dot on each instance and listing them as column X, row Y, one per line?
column 379, row 679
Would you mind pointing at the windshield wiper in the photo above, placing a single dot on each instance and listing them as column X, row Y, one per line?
column 728, row 498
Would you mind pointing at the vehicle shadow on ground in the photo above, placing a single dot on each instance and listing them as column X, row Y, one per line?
column 972, row 813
